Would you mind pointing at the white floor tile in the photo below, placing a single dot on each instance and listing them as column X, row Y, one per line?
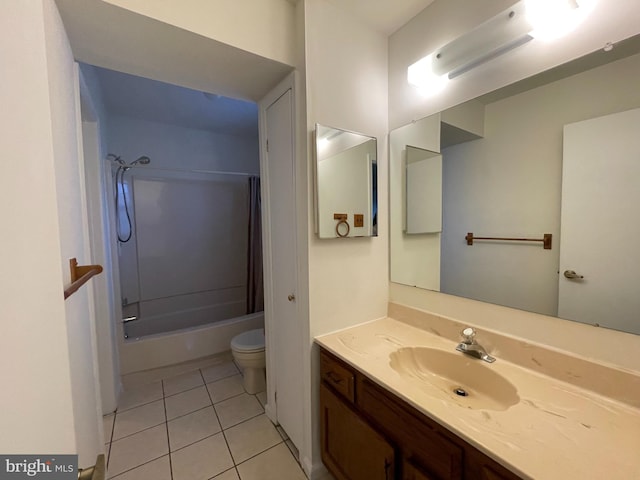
column 187, row 402
column 225, row 388
column 138, row 419
column 202, row 460
column 262, row 398
column 159, row 469
column 251, row 438
column 276, row 463
column 190, row 428
column 137, row 449
column 180, row 383
column 220, row 371
column 107, row 425
column 228, row 475
column 135, row 396
column 238, row 409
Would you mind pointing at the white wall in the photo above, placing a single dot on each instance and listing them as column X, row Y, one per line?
column 170, row 146
column 346, row 83
column 48, row 358
column 264, row 27
column 509, row 184
column 441, row 22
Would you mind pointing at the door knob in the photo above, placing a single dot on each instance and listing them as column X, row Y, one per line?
column 291, row 297
column 570, row 274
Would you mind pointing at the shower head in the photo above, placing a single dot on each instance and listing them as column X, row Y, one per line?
column 143, row 160
column 116, row 158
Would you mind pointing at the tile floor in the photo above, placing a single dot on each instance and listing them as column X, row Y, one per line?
column 195, row 422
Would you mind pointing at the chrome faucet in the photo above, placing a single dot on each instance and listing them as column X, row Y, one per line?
column 471, row 347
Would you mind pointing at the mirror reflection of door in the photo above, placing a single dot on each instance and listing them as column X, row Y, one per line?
column 423, row 191
column 600, row 225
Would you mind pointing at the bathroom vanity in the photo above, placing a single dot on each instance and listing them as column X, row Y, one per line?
column 370, row 433
column 389, row 407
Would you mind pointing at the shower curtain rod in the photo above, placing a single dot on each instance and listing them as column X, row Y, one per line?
column 211, row 172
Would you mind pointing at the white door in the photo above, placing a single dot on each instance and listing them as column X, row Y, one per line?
column 600, row 222
column 284, row 332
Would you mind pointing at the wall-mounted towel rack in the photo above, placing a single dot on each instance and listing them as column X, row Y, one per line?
column 80, row 274
column 546, row 240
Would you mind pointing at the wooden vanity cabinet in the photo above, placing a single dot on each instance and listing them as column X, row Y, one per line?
column 367, row 433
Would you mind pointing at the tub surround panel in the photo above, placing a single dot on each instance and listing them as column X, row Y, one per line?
column 557, row 430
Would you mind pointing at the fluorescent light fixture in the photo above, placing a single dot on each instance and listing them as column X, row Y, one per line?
column 421, row 75
column 551, row 19
column 511, row 28
column 507, row 30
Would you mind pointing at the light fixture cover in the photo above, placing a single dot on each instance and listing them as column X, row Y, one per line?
column 497, row 35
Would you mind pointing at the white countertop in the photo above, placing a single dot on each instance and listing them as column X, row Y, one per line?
column 556, row 430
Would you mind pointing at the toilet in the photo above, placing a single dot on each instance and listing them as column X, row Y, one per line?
column 248, row 352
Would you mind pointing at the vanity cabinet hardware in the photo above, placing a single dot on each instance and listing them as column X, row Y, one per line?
column 337, row 375
column 401, row 442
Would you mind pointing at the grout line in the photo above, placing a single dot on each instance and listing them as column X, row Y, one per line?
column 137, row 466
column 185, row 414
column 137, row 406
column 139, row 431
column 259, row 453
column 231, row 397
column 185, row 391
column 219, row 423
column 166, row 425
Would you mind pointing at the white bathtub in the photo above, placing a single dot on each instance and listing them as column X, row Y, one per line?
column 183, row 345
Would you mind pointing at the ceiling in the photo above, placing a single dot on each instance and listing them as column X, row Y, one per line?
column 151, row 100
column 386, row 16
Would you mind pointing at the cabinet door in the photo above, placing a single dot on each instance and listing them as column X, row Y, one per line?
column 412, row 472
column 351, row 449
column 479, row 466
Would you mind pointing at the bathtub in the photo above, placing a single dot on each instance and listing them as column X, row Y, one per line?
column 183, row 345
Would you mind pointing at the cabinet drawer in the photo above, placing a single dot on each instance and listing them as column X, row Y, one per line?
column 338, row 375
column 420, row 441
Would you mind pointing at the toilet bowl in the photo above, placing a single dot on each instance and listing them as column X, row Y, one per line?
column 248, row 352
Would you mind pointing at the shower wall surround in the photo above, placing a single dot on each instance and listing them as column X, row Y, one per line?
column 186, row 263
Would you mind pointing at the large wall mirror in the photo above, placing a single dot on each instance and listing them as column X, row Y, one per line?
column 557, row 154
column 346, row 183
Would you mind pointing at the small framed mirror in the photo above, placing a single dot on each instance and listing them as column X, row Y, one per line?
column 346, row 183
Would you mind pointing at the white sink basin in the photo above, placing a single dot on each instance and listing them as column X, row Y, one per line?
column 467, row 381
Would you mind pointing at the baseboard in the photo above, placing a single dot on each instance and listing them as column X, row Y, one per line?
column 315, row 471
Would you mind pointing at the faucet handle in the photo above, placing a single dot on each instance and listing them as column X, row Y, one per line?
column 468, row 335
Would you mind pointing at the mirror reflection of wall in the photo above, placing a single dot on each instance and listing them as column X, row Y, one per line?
column 346, row 183
column 503, row 177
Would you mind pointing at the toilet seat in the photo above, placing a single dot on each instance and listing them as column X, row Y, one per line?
column 251, row 341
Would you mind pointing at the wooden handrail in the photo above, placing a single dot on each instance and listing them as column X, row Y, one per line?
column 80, row 274
column 546, row 240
